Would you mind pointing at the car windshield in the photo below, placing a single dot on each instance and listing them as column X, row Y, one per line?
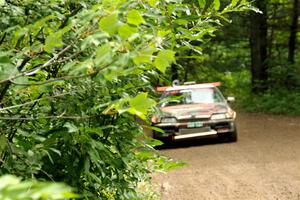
column 192, row 96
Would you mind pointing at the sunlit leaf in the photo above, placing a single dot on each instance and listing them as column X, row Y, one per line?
column 134, row 17
column 217, row 4
column 125, row 31
column 144, row 56
column 110, row 24
column 140, row 105
column 234, row 2
column 202, row 4
column 152, row 2
column 164, row 59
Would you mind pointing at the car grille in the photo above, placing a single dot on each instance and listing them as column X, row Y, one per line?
column 184, row 131
column 193, row 120
column 221, row 125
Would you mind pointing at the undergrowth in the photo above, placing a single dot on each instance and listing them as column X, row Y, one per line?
column 277, row 100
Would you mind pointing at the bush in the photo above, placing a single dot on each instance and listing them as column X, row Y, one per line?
column 12, row 188
column 277, row 102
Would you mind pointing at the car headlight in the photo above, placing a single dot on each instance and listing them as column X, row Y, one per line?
column 219, row 116
column 154, row 119
column 229, row 115
column 168, row 120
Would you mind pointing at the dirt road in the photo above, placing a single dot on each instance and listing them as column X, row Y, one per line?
column 264, row 164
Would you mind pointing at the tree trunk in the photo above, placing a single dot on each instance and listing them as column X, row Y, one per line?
column 174, row 70
column 272, row 30
column 258, row 43
column 293, row 33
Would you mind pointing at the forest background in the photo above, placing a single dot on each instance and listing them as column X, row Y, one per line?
column 74, row 75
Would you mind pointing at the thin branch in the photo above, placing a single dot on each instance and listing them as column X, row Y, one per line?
column 3, row 37
column 3, row 92
column 68, row 58
column 34, row 101
column 46, row 117
column 74, row 12
column 35, row 70
column 64, row 78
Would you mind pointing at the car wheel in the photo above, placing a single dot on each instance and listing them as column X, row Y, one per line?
column 232, row 136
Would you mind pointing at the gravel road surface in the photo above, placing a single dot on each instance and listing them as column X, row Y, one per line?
column 264, row 164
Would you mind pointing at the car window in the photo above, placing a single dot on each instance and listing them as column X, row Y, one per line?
column 192, row 96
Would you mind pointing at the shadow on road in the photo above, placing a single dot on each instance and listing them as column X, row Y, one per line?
column 190, row 143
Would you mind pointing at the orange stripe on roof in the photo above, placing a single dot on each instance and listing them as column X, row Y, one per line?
column 164, row 88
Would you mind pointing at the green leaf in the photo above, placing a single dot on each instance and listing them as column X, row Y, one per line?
column 71, row 127
column 52, row 41
column 152, row 2
column 104, row 55
column 202, row 4
column 94, row 39
column 3, row 143
column 144, row 56
column 6, row 68
column 153, row 142
column 110, row 24
column 164, row 59
column 36, row 27
column 4, row 59
column 135, row 18
column 173, row 165
column 7, row 180
column 217, row 4
column 68, row 67
column 85, row 67
column 140, row 105
column 126, row 31
column 55, row 39
column 234, row 2
column 2, row 2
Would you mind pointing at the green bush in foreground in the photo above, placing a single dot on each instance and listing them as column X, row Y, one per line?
column 12, row 188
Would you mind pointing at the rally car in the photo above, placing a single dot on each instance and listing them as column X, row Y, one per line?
column 194, row 110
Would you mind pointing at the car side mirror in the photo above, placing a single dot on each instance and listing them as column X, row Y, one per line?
column 230, row 99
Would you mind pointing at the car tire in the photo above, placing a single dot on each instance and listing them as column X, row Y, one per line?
column 232, row 136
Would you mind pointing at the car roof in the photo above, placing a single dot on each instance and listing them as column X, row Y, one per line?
column 186, row 87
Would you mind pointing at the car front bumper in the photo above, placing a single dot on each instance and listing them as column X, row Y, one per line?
column 182, row 130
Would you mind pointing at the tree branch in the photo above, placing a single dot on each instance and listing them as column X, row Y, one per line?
column 2, row 38
column 65, row 78
column 46, row 117
column 34, row 101
column 74, row 12
column 35, row 70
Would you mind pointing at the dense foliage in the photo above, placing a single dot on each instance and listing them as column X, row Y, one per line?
column 74, row 77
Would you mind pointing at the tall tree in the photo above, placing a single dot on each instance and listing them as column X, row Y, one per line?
column 258, row 43
column 293, row 32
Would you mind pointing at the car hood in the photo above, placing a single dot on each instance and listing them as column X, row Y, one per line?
column 194, row 110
